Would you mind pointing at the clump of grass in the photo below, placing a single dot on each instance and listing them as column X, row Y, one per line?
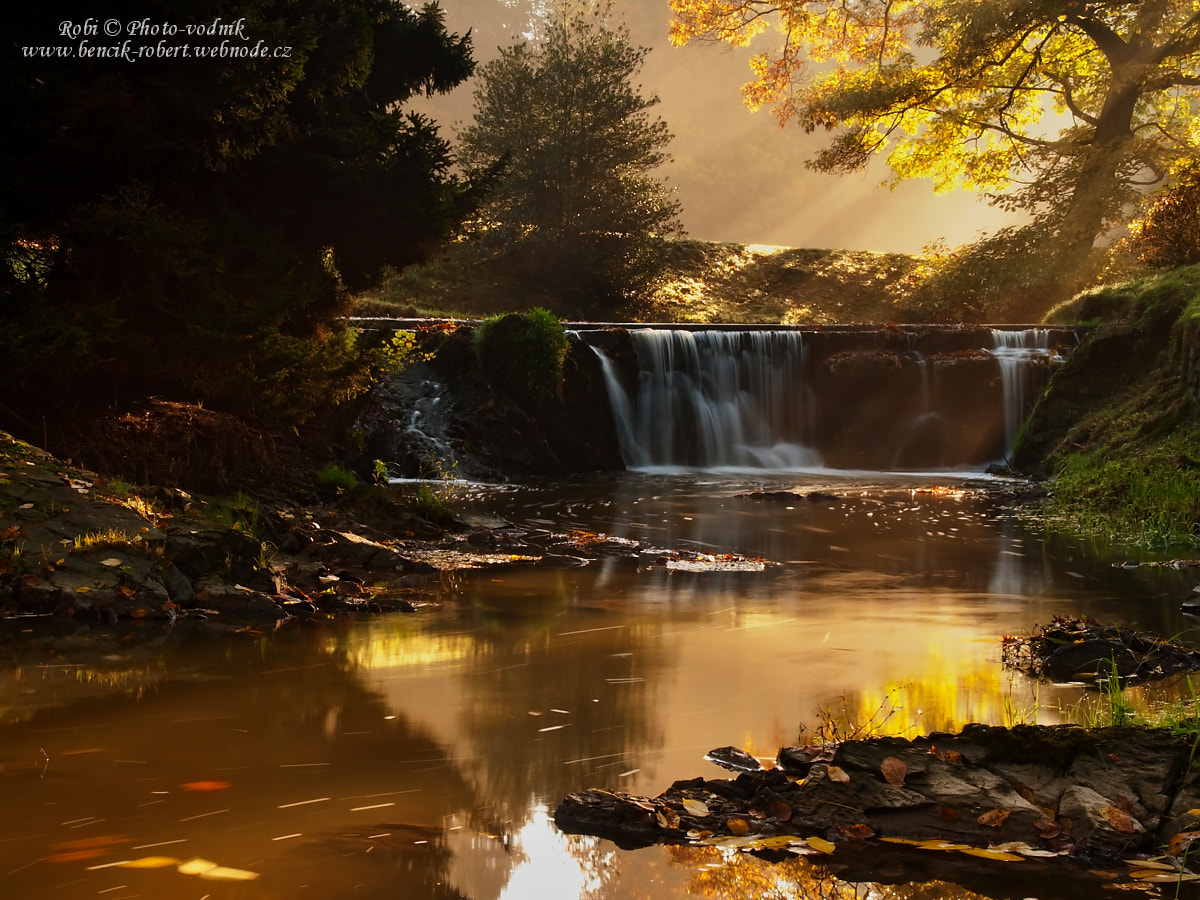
column 239, row 513
column 109, row 537
column 338, row 478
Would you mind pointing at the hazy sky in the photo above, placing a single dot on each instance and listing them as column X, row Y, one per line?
column 739, row 176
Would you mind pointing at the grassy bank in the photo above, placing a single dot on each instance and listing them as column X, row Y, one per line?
column 1118, row 428
column 700, row 282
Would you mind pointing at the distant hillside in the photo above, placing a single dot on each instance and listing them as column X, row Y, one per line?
column 702, row 282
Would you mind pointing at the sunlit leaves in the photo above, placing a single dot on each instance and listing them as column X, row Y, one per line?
column 962, row 92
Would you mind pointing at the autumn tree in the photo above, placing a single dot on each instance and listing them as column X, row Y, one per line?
column 1065, row 109
column 193, row 225
column 580, row 205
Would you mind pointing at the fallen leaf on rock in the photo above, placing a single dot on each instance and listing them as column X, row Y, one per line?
column 779, row 811
column 83, row 590
column 126, row 590
column 667, row 818
column 894, row 771
column 110, row 562
column 737, row 826
column 1180, row 842
column 8, row 535
column 32, row 580
column 859, row 832
column 1119, row 821
column 696, row 835
column 837, row 774
column 947, row 756
column 1002, row 855
column 695, row 807
column 820, row 844
column 1047, row 828
column 948, row 814
column 994, row 818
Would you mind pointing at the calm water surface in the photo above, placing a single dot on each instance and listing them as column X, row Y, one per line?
column 422, row 756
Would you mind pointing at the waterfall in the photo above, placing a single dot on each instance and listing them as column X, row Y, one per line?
column 1019, row 353
column 716, row 399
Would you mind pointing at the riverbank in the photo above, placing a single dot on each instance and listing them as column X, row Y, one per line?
column 1115, row 434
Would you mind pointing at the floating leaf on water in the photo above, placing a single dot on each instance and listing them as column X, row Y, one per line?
column 994, row 818
column 858, row 832
column 1151, row 876
column 150, row 862
column 838, row 774
column 776, row 842
column 1120, row 821
column 894, row 771
column 942, row 845
column 206, row 785
column 898, row 840
column 195, row 866
column 737, row 826
column 223, row 873
column 667, row 818
column 1002, row 855
column 695, row 807
column 820, row 844
column 1151, row 864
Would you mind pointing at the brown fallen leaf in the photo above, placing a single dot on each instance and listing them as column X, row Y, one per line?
column 737, row 826
column 837, row 774
column 948, row 814
column 1180, row 842
column 1047, row 828
column 859, row 832
column 947, row 756
column 994, row 818
column 695, row 807
column 1119, row 821
column 779, row 811
column 894, row 771
column 667, row 818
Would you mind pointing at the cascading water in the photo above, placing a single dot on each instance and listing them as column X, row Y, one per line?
column 715, row 399
column 844, row 398
column 1016, row 351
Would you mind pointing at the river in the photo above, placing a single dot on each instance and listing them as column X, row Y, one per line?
column 422, row 755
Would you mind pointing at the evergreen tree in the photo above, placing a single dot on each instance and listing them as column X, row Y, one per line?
column 579, row 208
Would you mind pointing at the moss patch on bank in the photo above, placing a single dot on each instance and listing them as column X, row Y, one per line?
column 1118, row 427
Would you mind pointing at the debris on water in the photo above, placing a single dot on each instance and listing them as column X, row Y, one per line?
column 683, row 561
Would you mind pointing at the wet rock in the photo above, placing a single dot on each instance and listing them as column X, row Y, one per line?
column 734, row 759
column 1096, row 793
column 235, row 600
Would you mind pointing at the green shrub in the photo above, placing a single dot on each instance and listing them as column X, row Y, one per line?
column 524, row 353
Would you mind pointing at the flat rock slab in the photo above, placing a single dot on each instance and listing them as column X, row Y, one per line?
column 1082, row 649
column 1100, row 793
